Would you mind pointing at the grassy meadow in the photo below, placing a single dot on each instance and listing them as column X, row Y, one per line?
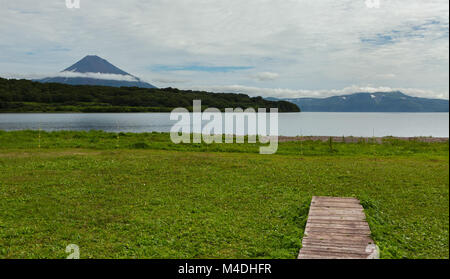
column 140, row 196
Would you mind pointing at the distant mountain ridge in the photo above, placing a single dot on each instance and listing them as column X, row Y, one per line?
column 370, row 102
column 94, row 70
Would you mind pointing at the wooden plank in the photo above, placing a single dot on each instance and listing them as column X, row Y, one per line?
column 336, row 211
column 337, row 252
column 329, row 255
column 317, row 242
column 340, row 230
column 336, row 218
column 338, row 205
column 357, row 226
column 338, row 202
column 336, row 229
column 331, row 212
column 342, row 222
column 332, row 199
column 315, row 226
column 338, row 248
column 353, row 224
column 335, row 203
column 339, row 237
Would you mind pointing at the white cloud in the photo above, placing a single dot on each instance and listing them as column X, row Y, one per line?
column 71, row 75
column 315, row 45
column 290, row 93
column 68, row 74
column 265, row 76
column 168, row 80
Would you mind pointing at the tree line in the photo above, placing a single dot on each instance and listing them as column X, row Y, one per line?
column 29, row 96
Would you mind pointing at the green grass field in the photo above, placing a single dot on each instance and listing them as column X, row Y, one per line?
column 140, row 196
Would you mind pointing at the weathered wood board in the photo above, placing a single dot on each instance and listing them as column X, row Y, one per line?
column 337, row 229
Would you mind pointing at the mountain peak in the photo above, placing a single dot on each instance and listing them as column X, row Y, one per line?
column 95, row 64
column 94, row 70
column 394, row 101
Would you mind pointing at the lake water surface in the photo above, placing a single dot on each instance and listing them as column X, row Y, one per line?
column 290, row 124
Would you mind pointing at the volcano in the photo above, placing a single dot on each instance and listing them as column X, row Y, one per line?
column 94, row 70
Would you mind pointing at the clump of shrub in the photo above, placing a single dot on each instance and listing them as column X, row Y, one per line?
column 140, row 145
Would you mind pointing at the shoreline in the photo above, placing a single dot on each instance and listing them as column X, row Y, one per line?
column 353, row 139
column 337, row 139
column 170, row 109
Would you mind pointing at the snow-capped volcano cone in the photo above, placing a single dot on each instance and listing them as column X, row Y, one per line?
column 94, row 70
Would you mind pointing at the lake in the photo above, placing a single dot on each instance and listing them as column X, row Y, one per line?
column 290, row 124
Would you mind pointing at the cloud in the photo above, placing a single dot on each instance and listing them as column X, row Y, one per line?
column 386, row 76
column 200, row 68
column 266, row 76
column 313, row 45
column 290, row 93
column 168, row 80
column 22, row 76
column 378, row 39
column 68, row 74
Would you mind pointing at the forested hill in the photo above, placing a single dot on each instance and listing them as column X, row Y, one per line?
column 29, row 96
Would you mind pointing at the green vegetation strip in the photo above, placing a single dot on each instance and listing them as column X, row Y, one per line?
column 140, row 196
column 29, row 96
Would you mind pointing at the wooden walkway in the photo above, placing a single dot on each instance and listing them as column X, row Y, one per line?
column 337, row 229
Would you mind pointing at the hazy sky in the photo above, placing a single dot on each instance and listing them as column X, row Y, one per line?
column 280, row 48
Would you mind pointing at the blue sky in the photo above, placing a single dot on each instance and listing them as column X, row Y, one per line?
column 281, row 48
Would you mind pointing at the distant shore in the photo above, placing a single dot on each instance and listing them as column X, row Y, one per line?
column 351, row 139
